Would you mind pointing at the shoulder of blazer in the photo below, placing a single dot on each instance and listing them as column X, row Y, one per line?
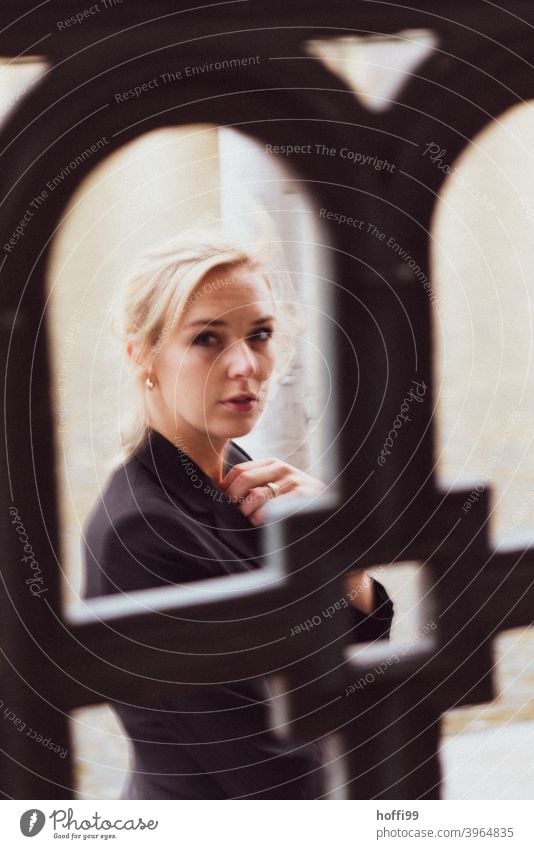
column 138, row 487
column 143, row 517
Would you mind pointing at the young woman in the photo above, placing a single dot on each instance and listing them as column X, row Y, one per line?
column 205, row 325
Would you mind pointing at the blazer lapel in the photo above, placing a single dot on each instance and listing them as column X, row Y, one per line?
column 192, row 491
column 233, row 527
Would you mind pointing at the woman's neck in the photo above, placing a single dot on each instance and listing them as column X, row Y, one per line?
column 207, row 452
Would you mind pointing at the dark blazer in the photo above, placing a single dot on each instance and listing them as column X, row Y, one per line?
column 161, row 520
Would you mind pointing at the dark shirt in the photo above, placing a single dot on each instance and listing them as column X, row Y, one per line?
column 161, row 520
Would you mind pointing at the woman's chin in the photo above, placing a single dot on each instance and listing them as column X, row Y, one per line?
column 235, row 429
column 241, row 430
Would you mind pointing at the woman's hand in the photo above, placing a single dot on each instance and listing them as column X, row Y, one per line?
column 246, row 484
column 359, row 590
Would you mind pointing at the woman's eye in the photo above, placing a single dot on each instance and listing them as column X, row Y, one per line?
column 262, row 335
column 207, row 339
column 204, row 339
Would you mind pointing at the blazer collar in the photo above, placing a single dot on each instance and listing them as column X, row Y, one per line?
column 192, row 491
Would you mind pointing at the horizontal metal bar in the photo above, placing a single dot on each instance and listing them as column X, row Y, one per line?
column 23, row 25
column 214, row 631
column 508, row 587
column 215, row 598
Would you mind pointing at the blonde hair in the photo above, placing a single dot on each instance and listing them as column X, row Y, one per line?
column 164, row 283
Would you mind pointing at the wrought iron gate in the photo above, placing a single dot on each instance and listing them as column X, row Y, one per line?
column 53, row 662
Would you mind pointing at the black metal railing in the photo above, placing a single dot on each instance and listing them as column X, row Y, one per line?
column 53, row 662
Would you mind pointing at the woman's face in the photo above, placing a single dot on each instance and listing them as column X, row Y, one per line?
column 221, row 348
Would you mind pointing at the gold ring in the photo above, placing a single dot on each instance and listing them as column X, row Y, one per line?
column 273, row 487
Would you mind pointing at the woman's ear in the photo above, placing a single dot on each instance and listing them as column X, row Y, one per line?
column 131, row 350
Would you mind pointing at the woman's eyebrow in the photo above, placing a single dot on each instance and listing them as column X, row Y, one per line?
column 216, row 322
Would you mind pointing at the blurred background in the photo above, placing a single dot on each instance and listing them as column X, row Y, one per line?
column 482, row 282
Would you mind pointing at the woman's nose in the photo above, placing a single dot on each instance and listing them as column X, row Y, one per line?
column 241, row 360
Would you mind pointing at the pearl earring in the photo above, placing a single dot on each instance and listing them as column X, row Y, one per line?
column 150, row 383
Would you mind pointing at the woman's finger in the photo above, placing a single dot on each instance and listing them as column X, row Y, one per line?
column 249, row 478
column 255, row 508
column 253, row 500
column 239, row 468
column 257, row 496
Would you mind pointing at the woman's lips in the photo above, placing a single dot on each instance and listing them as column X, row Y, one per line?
column 244, row 406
